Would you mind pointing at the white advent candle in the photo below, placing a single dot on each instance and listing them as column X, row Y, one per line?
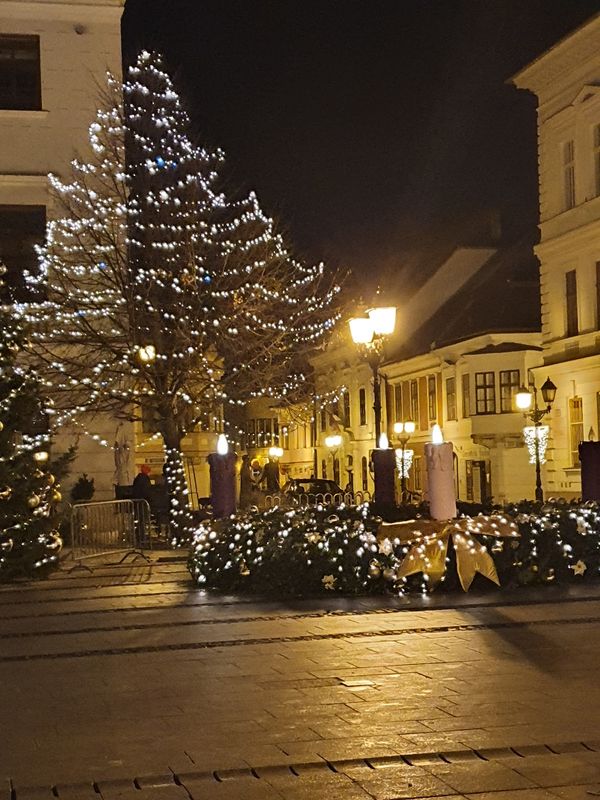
column 440, row 480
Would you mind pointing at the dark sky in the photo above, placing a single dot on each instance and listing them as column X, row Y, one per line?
column 377, row 131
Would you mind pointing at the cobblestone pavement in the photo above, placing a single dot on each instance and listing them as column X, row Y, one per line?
column 130, row 683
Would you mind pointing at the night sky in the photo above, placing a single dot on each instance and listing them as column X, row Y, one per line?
column 380, row 132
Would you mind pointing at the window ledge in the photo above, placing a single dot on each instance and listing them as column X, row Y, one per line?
column 23, row 113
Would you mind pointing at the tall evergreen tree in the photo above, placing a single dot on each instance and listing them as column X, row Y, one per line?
column 162, row 292
column 29, row 492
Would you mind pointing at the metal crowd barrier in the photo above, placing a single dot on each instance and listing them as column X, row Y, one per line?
column 311, row 500
column 108, row 528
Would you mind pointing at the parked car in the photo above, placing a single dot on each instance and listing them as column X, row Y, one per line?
column 312, row 487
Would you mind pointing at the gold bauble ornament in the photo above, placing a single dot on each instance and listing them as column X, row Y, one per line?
column 33, row 501
column 1, row 425
column 56, row 496
column 389, row 574
column 51, row 479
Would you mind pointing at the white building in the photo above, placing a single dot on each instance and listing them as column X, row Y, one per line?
column 53, row 58
column 566, row 81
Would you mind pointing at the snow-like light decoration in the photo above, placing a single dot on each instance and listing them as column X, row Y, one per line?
column 404, row 460
column 530, row 433
column 222, row 445
column 157, row 291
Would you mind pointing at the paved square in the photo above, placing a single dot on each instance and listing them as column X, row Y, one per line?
column 130, row 682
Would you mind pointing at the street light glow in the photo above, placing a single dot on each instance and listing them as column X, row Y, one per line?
column 383, row 320
column 361, row 330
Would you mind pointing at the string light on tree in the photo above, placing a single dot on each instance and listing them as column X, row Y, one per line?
column 162, row 291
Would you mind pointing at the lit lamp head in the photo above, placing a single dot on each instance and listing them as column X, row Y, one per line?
column 146, row 353
column 275, row 452
column 407, row 428
column 523, row 399
column 383, row 320
column 222, row 445
column 333, row 441
column 361, row 330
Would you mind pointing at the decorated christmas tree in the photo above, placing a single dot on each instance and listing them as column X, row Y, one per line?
column 163, row 294
column 29, row 539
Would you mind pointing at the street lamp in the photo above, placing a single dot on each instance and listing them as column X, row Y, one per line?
column 536, row 437
column 368, row 333
column 403, row 431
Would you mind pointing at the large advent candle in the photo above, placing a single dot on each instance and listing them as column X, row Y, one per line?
column 222, row 479
column 439, row 458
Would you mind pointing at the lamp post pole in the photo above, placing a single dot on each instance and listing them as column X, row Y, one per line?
column 374, row 362
column 524, row 400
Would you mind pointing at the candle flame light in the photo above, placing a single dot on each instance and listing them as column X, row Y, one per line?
column 437, row 437
column 222, row 445
column 383, row 442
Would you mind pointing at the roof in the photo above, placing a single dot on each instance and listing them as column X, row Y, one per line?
column 502, row 297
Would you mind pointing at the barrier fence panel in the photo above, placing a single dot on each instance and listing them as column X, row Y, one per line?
column 107, row 527
column 311, row 500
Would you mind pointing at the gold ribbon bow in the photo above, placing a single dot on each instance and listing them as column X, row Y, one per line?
column 428, row 540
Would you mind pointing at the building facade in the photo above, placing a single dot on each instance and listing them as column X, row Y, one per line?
column 53, row 58
column 566, row 82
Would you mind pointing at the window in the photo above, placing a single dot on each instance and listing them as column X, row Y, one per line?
column 575, row 427
column 466, row 395
column 398, row 402
column 362, row 404
column 597, row 159
column 20, row 84
column 285, row 437
column 346, row 409
column 364, row 474
column 323, row 420
column 485, row 393
column 324, row 468
column 569, row 174
column 21, row 227
column 431, row 397
column 414, row 400
column 416, row 473
column 571, row 295
column 510, row 381
column 451, row 398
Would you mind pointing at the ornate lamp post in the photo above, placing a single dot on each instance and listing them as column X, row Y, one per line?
column 403, row 431
column 537, row 435
column 369, row 333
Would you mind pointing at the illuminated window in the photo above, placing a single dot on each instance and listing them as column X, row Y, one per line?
column 510, row 380
column 575, row 427
column 485, row 393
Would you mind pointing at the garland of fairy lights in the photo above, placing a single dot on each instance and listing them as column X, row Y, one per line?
column 151, row 258
column 531, row 433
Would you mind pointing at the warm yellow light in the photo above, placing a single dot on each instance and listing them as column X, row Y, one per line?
column 437, row 437
column 523, row 399
column 409, row 426
column 404, row 427
column 333, row 441
column 383, row 320
column 384, row 442
column 222, row 445
column 275, row 452
column 361, row 330
column 41, row 456
column 146, row 353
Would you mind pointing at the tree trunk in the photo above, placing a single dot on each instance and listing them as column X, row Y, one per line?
column 180, row 514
